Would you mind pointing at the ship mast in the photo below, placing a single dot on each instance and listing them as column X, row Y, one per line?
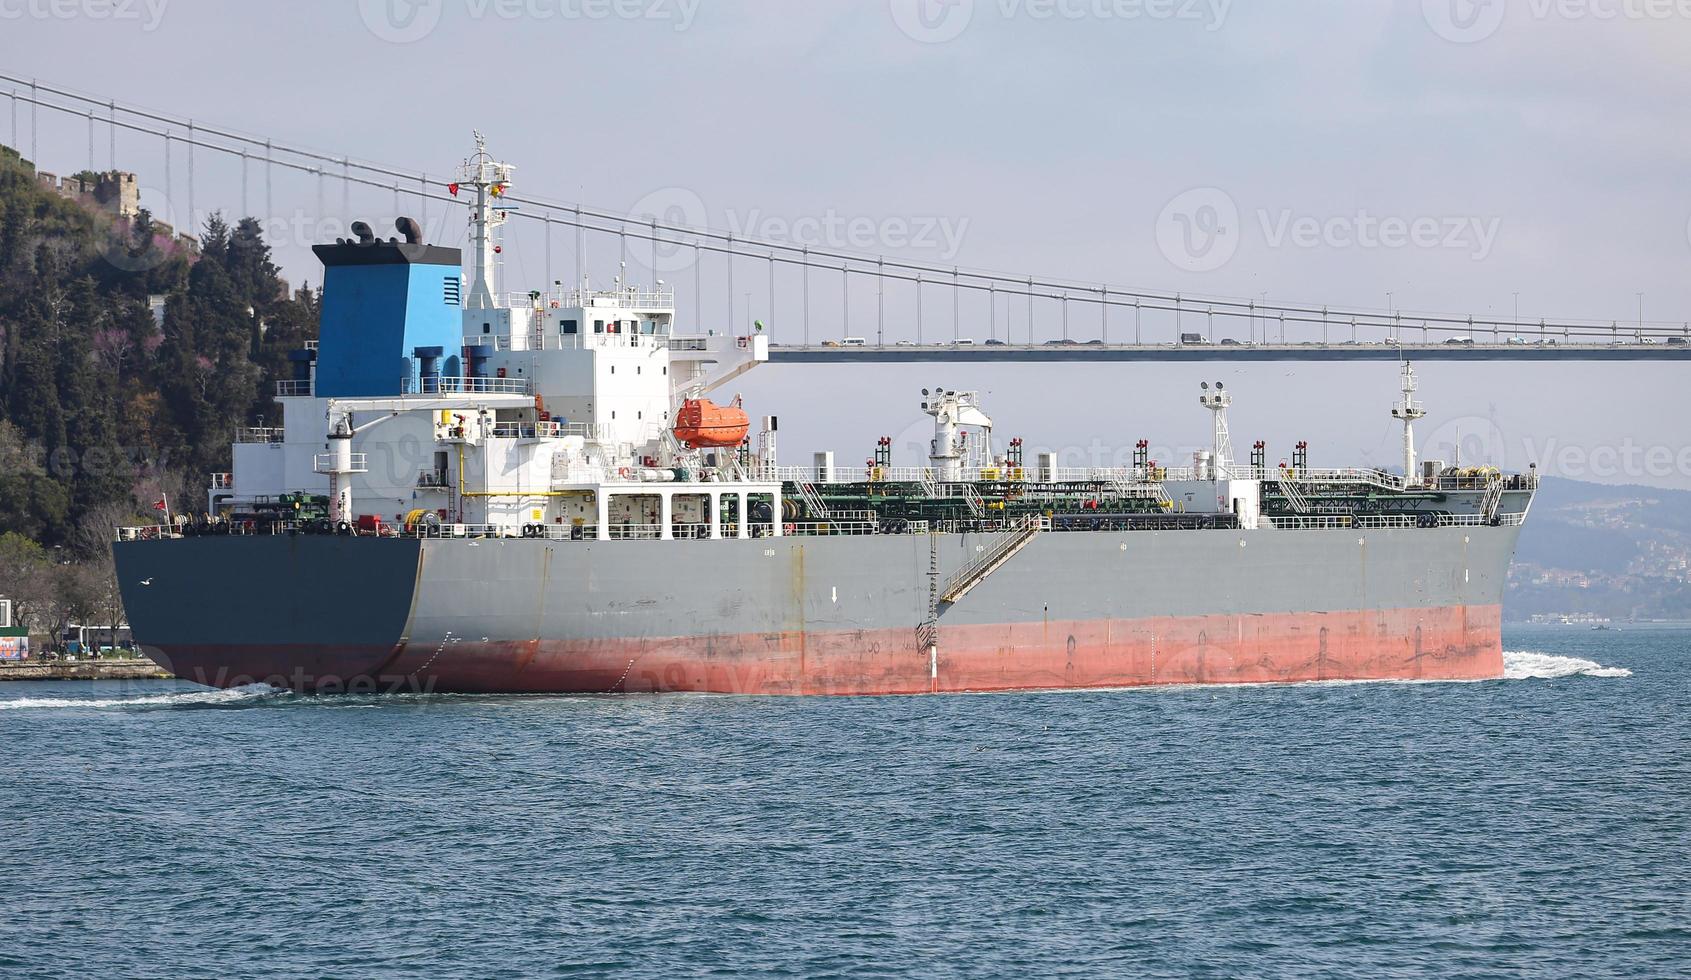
column 1221, row 458
column 490, row 180
column 1407, row 412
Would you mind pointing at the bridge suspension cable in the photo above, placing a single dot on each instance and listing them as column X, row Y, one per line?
column 652, row 230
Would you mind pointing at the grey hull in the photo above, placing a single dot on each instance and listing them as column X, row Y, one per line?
column 824, row 614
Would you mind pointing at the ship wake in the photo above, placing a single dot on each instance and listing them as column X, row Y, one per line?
column 180, row 699
column 1528, row 665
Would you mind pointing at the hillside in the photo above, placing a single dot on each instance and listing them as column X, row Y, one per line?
column 103, row 406
column 1616, row 552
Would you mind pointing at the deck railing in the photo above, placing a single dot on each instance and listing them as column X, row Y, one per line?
column 248, row 435
column 443, row 385
column 1126, row 476
column 730, row 530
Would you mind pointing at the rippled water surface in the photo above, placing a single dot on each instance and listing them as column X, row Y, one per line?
column 1538, row 825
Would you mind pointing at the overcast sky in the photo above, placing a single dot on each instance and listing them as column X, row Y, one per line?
column 1440, row 156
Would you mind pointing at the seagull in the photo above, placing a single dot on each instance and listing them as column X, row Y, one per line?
column 146, row 581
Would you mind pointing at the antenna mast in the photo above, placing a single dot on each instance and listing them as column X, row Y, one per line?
column 1222, row 451
column 1407, row 412
column 490, row 180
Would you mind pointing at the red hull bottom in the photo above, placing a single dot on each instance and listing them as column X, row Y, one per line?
column 1445, row 643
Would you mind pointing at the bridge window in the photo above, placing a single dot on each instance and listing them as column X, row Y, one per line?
column 598, row 326
column 487, row 328
column 566, row 326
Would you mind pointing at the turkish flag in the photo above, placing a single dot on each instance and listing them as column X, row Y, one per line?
column 160, row 505
column 452, row 189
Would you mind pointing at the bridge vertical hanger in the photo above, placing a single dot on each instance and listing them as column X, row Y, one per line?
column 881, row 301
column 193, row 223
column 918, row 307
column 489, row 179
column 269, row 168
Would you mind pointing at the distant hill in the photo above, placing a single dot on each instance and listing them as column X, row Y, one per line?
column 1619, row 552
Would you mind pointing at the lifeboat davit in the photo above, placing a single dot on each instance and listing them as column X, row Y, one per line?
column 702, row 423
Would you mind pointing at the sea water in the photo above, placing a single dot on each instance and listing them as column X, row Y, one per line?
column 1537, row 825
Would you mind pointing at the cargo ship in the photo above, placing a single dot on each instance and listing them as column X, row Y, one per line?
column 546, row 493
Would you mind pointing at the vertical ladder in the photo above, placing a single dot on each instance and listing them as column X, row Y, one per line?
column 927, row 632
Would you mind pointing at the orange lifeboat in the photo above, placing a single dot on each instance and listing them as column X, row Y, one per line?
column 702, row 423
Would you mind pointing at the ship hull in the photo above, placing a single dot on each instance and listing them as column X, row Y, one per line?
column 822, row 615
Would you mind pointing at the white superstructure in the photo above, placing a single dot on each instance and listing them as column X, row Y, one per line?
column 560, row 421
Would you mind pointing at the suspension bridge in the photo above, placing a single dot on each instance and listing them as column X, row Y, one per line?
column 818, row 304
